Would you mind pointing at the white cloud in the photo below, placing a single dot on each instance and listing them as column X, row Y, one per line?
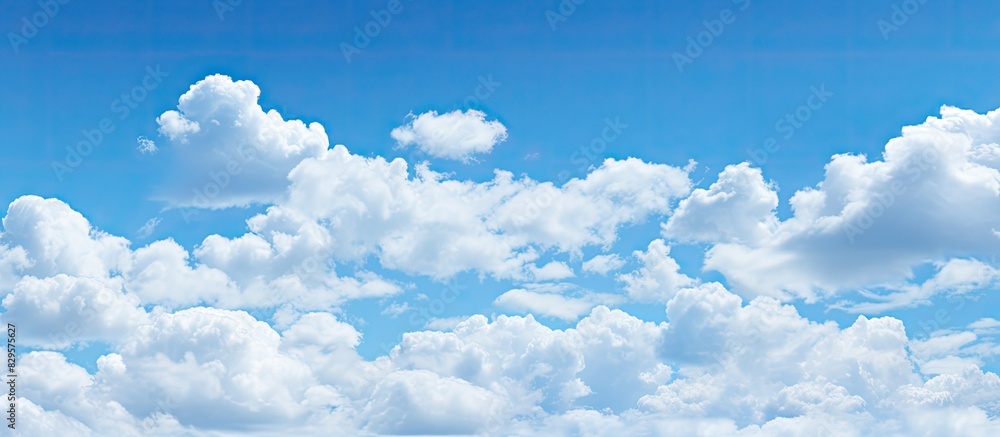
column 553, row 271
column 732, row 369
column 147, row 228
column 721, row 365
column 956, row 276
column 45, row 237
column 58, row 311
column 355, row 206
column 161, row 274
column 550, row 301
column 452, row 135
column 739, row 207
column 423, row 402
column 930, row 198
column 603, row 264
column 658, row 277
column 146, row 145
column 227, row 151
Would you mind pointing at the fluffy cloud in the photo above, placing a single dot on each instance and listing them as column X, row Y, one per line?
column 227, row 151
column 720, row 367
column 931, row 197
column 737, row 208
column 658, row 277
column 353, row 206
column 602, row 264
column 722, row 363
column 58, row 311
column 452, row 135
column 954, row 277
column 45, row 237
column 550, row 300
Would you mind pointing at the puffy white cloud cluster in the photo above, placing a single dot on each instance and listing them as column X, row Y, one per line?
column 227, row 151
column 348, row 206
column 931, row 198
column 185, row 358
column 719, row 367
column 353, row 206
column 452, row 135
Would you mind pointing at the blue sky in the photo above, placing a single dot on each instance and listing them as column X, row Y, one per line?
column 554, row 86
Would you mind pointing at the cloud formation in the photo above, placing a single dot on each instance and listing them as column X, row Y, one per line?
column 453, row 135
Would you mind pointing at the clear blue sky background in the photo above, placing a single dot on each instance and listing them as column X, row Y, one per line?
column 607, row 59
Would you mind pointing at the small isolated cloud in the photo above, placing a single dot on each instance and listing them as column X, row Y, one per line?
column 147, row 229
column 552, row 271
column 454, row 135
column 396, row 309
column 602, row 264
column 146, row 145
column 548, row 300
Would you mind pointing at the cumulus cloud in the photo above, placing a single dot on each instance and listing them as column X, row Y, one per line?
column 720, row 366
column 353, row 206
column 603, row 264
column 657, row 278
column 954, row 277
column 45, row 237
column 182, row 356
column 58, row 311
column 453, row 135
column 554, row 301
column 868, row 223
column 227, row 151
column 739, row 207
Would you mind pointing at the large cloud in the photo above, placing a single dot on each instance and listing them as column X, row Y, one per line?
column 932, row 197
column 227, row 150
column 352, row 206
column 720, row 367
